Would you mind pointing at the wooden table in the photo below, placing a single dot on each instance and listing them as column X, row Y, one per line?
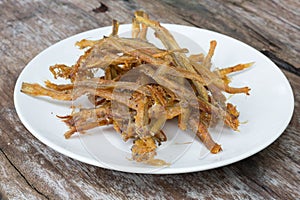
column 31, row 170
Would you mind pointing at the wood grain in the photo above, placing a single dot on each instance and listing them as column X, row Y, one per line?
column 31, row 170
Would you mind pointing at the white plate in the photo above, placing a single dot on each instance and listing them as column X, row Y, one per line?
column 267, row 110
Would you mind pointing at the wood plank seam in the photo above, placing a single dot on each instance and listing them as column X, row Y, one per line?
column 12, row 164
column 281, row 63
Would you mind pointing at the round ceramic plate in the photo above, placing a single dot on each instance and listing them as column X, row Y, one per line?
column 266, row 111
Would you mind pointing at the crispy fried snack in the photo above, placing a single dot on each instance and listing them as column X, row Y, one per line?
column 143, row 87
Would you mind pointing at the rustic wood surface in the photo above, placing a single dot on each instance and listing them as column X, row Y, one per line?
column 31, row 170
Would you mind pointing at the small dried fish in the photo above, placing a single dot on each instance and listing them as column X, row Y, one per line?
column 142, row 87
